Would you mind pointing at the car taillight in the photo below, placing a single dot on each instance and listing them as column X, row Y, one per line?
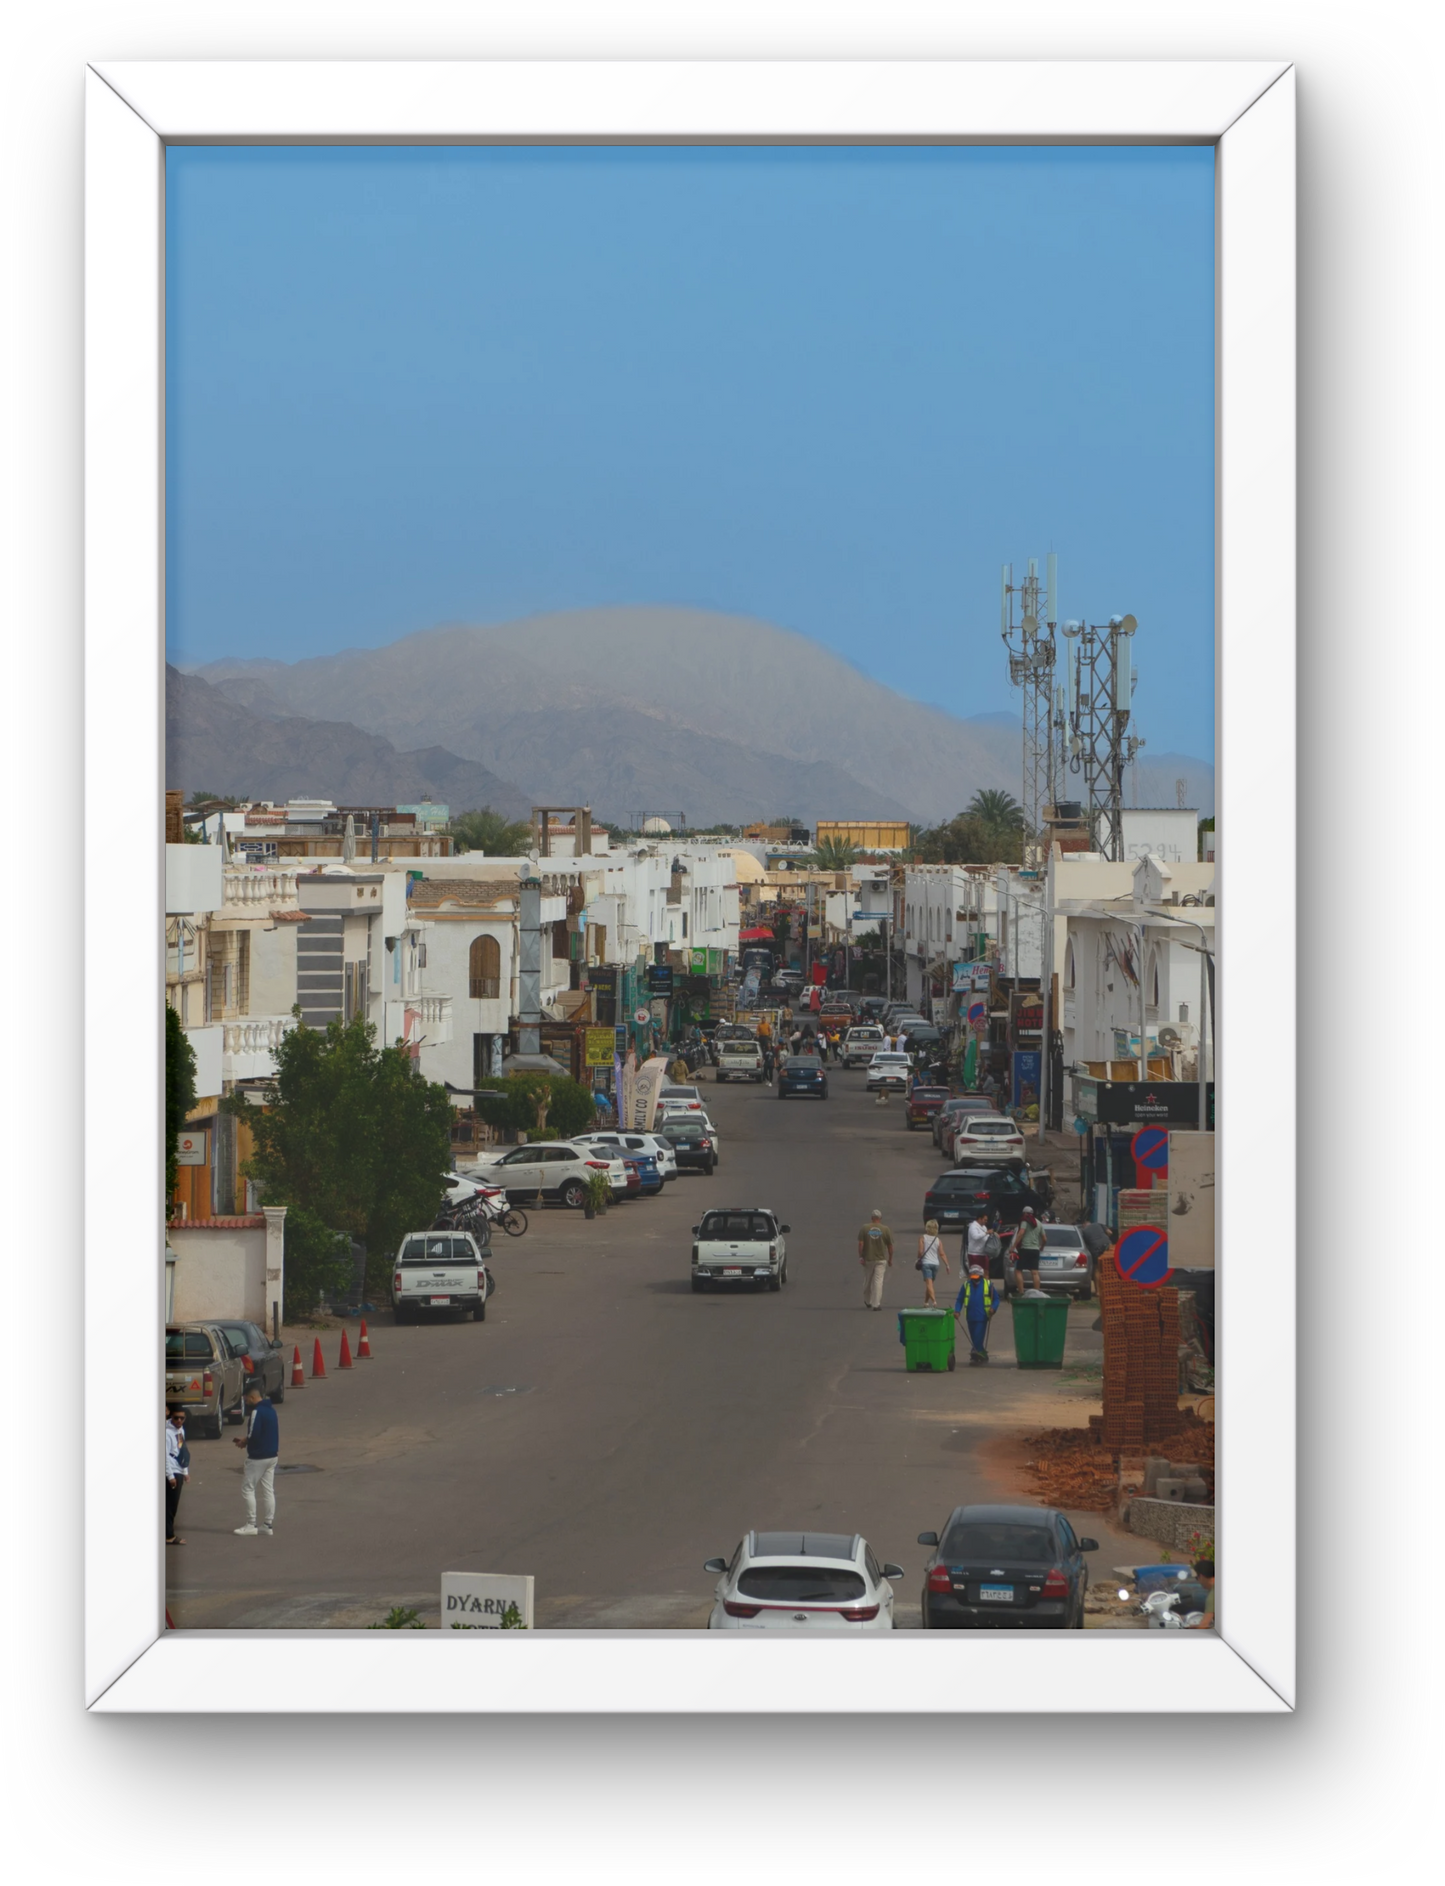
column 772, row 1250
column 1081, row 1262
column 939, row 1580
column 705, row 1144
column 735, row 1610
column 1055, row 1585
column 859, row 1613
column 207, row 1382
column 597, row 1165
column 481, row 1280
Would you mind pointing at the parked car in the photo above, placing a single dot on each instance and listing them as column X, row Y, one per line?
column 740, row 1244
column 740, row 1059
column 622, row 1145
column 888, row 1073
column 1005, row 1567
column 690, row 1142
column 813, row 1581
column 1064, row 1262
column 802, row 1074
column 923, row 1103
column 872, row 1006
column 673, row 1096
column 204, row 1374
column 983, row 1139
column 946, row 1118
column 860, row 1044
column 441, row 1270
column 649, row 1179
column 954, row 1197
column 267, row 1358
column 556, row 1172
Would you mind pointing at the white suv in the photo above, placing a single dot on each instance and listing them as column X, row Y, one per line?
column 813, row 1581
column 555, row 1171
column 741, row 1244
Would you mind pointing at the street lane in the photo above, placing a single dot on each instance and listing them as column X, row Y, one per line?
column 607, row 1430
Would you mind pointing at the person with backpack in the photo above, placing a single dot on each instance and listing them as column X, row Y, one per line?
column 178, row 1467
column 977, row 1302
column 875, row 1254
column 930, row 1255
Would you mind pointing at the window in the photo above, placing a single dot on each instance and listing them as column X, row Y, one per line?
column 998, row 1543
column 801, row 1584
column 484, row 969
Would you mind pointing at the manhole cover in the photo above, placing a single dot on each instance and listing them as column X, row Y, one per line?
column 298, row 1466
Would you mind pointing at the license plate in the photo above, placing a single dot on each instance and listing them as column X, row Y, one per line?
column 732, row 1270
column 1051, row 1263
column 441, row 1299
column 996, row 1594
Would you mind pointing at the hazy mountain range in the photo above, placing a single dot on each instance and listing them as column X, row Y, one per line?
column 643, row 709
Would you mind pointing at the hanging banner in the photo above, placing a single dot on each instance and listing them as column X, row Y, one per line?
column 651, row 1078
column 628, row 1088
column 601, row 1047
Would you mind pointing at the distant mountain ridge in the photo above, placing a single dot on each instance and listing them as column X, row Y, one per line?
column 715, row 715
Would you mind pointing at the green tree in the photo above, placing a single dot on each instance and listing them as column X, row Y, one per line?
column 318, row 1262
column 1205, row 825
column 533, row 1103
column 180, row 1093
column 998, row 810
column 836, row 854
column 352, row 1133
column 490, row 832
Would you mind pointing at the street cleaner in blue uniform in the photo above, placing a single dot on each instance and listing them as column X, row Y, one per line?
column 976, row 1304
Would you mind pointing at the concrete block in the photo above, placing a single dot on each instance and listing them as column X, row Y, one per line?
column 1193, row 1490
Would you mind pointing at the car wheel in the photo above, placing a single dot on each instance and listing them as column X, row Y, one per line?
column 699, row 1284
column 479, row 1314
column 278, row 1393
column 216, row 1427
column 774, row 1283
column 573, row 1195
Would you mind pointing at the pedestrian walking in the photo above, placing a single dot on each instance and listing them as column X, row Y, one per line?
column 178, row 1467
column 262, row 1442
column 976, row 1304
column 930, row 1255
column 1028, row 1241
column 875, row 1254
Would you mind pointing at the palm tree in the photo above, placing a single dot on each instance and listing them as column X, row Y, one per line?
column 1000, row 810
column 835, row 854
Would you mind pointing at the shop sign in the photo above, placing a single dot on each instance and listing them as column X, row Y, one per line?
column 1146, row 1103
column 601, row 1046
column 191, row 1149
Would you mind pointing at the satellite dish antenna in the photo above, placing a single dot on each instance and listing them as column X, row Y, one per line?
column 1127, row 624
column 1073, row 628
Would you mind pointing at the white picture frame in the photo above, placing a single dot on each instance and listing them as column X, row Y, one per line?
column 1247, row 112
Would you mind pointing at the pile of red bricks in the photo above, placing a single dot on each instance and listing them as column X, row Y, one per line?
column 1141, row 1364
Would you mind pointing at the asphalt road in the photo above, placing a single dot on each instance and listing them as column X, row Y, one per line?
column 607, row 1430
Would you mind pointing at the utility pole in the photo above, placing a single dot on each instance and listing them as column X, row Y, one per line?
column 1093, row 709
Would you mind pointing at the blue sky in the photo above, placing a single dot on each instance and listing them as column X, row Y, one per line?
column 833, row 388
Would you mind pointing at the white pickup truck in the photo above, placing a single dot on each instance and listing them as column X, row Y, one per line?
column 441, row 1271
column 739, row 1058
column 860, row 1044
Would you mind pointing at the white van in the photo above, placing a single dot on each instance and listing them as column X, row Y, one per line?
column 444, row 1271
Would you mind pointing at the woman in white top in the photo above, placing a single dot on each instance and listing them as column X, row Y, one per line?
column 930, row 1255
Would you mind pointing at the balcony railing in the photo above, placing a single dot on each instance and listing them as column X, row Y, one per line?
column 248, row 1046
column 434, row 1019
column 245, row 893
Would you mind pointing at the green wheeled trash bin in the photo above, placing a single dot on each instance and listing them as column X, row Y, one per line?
column 1041, row 1325
column 927, row 1338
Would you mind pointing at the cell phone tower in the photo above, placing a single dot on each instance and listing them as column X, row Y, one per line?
column 1028, row 616
column 1093, row 709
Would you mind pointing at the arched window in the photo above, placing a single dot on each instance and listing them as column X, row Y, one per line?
column 484, row 969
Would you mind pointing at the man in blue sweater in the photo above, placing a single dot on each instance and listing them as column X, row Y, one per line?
column 262, row 1442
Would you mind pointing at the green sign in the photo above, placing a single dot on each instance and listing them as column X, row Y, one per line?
column 698, row 961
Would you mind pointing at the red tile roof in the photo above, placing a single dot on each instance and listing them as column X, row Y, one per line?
column 251, row 1221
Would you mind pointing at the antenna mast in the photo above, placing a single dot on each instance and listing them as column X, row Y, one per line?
column 1093, row 713
column 1028, row 614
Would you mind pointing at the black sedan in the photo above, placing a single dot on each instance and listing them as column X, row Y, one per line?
column 691, row 1142
column 263, row 1360
column 1005, row 1568
column 802, row 1074
column 956, row 1197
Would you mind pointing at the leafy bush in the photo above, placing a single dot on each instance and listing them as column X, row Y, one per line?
column 401, row 1617
column 599, row 1192
column 534, row 1103
column 318, row 1262
column 180, row 1094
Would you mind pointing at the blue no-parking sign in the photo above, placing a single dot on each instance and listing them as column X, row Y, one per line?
column 1150, row 1147
column 1142, row 1255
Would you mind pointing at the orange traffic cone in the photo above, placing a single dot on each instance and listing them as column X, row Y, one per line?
column 318, row 1362
column 363, row 1344
column 344, row 1360
column 298, row 1374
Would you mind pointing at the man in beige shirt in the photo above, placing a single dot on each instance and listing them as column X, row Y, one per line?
column 875, row 1254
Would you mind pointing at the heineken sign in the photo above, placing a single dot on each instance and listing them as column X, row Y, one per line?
column 1149, row 1103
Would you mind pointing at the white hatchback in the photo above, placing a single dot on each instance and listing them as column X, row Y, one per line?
column 802, row 1581
column 986, row 1139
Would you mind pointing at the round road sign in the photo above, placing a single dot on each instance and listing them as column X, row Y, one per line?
column 642, row 1016
column 978, row 1014
column 1150, row 1147
column 1142, row 1255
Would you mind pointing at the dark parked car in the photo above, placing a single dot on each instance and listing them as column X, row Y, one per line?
column 267, row 1358
column 649, row 1178
column 1005, row 1568
column 690, row 1140
column 922, row 1104
column 954, row 1197
column 802, row 1074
